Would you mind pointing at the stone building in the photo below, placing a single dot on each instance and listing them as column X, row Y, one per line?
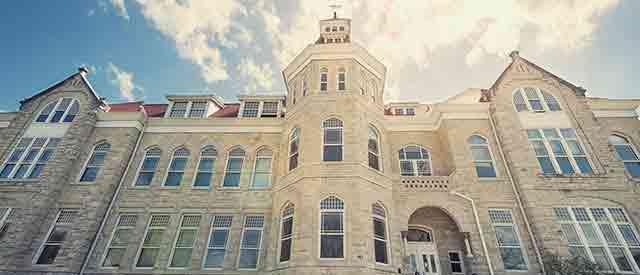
column 327, row 179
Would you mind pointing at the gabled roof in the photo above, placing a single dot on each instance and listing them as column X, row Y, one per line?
column 79, row 75
column 515, row 55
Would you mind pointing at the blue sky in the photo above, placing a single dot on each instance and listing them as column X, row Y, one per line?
column 143, row 50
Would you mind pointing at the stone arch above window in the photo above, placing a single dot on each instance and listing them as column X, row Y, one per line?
column 415, row 160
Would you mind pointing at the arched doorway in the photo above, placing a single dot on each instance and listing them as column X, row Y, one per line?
column 434, row 244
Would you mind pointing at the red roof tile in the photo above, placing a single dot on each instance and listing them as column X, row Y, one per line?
column 155, row 110
column 229, row 110
column 125, row 107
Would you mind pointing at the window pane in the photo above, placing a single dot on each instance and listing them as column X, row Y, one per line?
column 424, row 168
column 378, row 229
column 231, row 180
column 628, row 235
column 550, row 133
column 206, row 165
column 89, row 174
column 215, row 258
column 333, row 136
column 248, row 258
column 285, row 250
column 178, row 164
column 506, row 235
column 633, row 168
column 121, row 237
column 332, row 152
column 203, row 179
column 331, row 222
column 575, row 147
column 536, row 105
column 251, row 238
column 380, row 250
column 235, row 164
column 261, row 180
column 539, row 148
column 635, row 253
column 154, row 237
column 557, row 148
column 218, row 238
column 565, row 165
column 6, row 171
column 485, row 170
column 293, row 162
column 621, row 258
column 22, row 170
column 144, row 179
column 263, row 164
column 181, row 257
column 373, row 161
column 609, row 234
column 625, row 152
column 186, row 237
column 601, row 258
column 147, row 257
column 287, row 227
column 570, row 234
column 114, row 257
column 331, row 246
column 513, row 258
column 590, row 234
column 406, row 168
column 583, row 164
column 480, row 153
column 150, row 164
column 48, row 254
column 578, row 252
column 173, row 179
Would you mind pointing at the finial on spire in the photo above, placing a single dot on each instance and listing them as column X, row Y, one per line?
column 335, row 6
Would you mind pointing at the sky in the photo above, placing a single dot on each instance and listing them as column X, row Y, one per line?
column 433, row 49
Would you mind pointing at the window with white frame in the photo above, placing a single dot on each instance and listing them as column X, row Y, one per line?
column 206, row 167
column 217, row 244
column 152, row 242
column 398, row 111
column 455, row 262
column 324, row 79
column 603, row 235
column 415, row 161
column 535, row 100
column 550, row 146
column 269, row 109
column 176, row 167
column 286, row 233
column 508, row 239
column 294, row 149
column 250, row 109
column 185, row 240
column 120, row 240
column 373, row 148
column 198, row 109
column 380, row 242
column 251, row 242
column 179, row 109
column 29, row 157
column 233, row 171
column 95, row 162
column 342, row 79
column 332, row 228
column 148, row 167
column 627, row 153
column 262, row 169
column 482, row 159
column 54, row 112
column 56, row 237
column 5, row 213
column 407, row 111
column 333, row 144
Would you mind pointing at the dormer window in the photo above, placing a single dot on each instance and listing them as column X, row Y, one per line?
column 260, row 109
column 251, row 109
column 327, row 29
column 341, row 28
column 334, row 29
column 404, row 111
column 188, row 109
column 269, row 109
column 61, row 110
column 535, row 100
column 398, row 112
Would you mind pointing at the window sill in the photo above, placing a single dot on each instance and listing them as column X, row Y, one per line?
column 81, row 183
column 12, row 182
column 575, row 176
column 142, row 187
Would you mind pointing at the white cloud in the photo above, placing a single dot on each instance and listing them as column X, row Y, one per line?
column 121, row 8
column 259, row 77
column 91, row 12
column 124, row 81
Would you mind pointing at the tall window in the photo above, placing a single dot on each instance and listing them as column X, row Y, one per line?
column 627, row 153
column 251, row 242
column 379, row 233
column 95, row 162
column 234, row 168
column 324, row 79
column 549, row 146
column 185, row 240
column 148, row 167
column 206, row 167
column 294, row 149
column 415, row 161
column 601, row 235
column 217, row 244
column 342, row 79
column 508, row 239
column 176, row 168
column 332, row 228
column 286, row 234
column 120, row 240
column 57, row 235
column 29, row 157
column 482, row 159
column 179, row 109
column 374, row 149
column 262, row 169
column 54, row 112
column 455, row 262
column 332, row 148
column 152, row 242
column 535, row 100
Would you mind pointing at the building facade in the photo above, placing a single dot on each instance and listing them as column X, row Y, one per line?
column 327, row 179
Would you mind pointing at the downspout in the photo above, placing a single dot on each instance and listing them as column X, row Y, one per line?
column 516, row 193
column 114, row 198
column 482, row 240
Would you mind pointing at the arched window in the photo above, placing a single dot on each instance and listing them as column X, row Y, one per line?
column 233, row 171
column 55, row 111
column 374, row 149
column 342, row 79
column 294, row 149
column 286, row 233
column 374, row 90
column 95, row 162
column 332, row 228
column 262, row 169
column 482, row 158
column 206, row 167
column 627, row 153
column 379, row 216
column 176, row 168
column 535, row 99
column 332, row 148
column 148, row 167
column 415, row 161
column 324, row 79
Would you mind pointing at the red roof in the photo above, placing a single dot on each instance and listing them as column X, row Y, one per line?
column 131, row 107
column 229, row 110
column 155, row 110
